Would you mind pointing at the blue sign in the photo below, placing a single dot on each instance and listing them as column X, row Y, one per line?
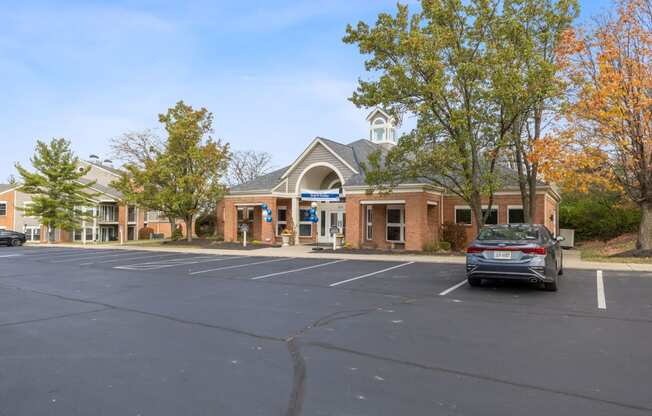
column 327, row 195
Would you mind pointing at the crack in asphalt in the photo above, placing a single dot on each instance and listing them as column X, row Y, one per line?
column 50, row 318
column 476, row 376
column 293, row 342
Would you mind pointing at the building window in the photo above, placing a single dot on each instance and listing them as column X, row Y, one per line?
column 32, row 232
column 3, row 209
column 515, row 215
column 370, row 223
column 395, row 224
column 305, row 225
column 281, row 219
column 463, row 216
column 492, row 219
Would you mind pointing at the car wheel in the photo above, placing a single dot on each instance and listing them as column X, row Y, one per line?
column 561, row 270
column 473, row 281
column 16, row 242
column 550, row 286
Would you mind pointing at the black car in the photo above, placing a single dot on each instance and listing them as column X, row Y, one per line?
column 515, row 251
column 12, row 238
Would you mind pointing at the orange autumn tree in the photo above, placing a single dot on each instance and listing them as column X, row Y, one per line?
column 608, row 126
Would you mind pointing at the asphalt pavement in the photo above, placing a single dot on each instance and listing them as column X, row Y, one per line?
column 131, row 332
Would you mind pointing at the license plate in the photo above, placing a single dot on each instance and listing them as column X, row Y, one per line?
column 503, row 255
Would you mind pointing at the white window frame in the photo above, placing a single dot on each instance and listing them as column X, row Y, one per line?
column 304, row 222
column 29, row 232
column 279, row 222
column 395, row 224
column 369, row 222
column 514, row 207
column 6, row 205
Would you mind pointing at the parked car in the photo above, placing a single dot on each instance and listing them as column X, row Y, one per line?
column 515, row 251
column 12, row 238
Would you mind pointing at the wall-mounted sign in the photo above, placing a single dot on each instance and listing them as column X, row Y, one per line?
column 322, row 195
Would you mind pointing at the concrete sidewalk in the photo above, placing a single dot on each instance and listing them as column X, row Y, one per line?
column 572, row 258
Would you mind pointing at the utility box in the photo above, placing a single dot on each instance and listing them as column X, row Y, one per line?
column 569, row 237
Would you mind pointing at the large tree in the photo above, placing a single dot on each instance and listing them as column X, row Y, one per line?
column 184, row 177
column 58, row 194
column 458, row 66
column 609, row 116
column 539, row 26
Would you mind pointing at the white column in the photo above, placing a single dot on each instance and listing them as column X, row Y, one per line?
column 295, row 219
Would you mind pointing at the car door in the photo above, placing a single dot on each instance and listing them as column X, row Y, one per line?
column 4, row 237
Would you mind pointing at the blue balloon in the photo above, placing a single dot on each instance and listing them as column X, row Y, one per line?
column 268, row 219
column 263, row 206
column 269, row 212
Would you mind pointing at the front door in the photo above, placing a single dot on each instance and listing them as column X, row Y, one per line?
column 329, row 218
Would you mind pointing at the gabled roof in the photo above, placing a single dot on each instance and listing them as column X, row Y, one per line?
column 262, row 183
column 107, row 190
column 377, row 110
column 341, row 151
column 6, row 187
column 110, row 169
column 353, row 155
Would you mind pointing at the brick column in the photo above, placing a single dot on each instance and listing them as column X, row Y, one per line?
column 354, row 222
column 416, row 223
column 268, row 234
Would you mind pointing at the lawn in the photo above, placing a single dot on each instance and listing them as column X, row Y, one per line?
column 618, row 250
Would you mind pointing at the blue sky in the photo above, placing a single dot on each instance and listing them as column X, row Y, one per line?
column 274, row 73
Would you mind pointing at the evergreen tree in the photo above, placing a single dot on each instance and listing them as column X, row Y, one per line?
column 58, row 195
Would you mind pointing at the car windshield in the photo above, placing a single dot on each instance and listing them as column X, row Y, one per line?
column 509, row 234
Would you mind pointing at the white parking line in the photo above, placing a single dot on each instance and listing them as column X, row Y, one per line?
column 148, row 256
column 602, row 303
column 370, row 274
column 85, row 256
column 67, row 253
column 236, row 266
column 297, row 270
column 180, row 262
column 10, row 255
column 450, row 289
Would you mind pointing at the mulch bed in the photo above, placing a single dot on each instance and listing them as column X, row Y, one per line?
column 214, row 244
column 385, row 252
column 634, row 253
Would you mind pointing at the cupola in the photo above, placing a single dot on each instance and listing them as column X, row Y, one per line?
column 382, row 127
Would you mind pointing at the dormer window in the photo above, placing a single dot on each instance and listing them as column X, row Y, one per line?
column 381, row 129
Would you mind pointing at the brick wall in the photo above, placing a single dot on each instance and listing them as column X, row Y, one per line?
column 7, row 221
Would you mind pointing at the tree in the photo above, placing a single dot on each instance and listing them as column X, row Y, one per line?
column 58, row 194
column 458, row 67
column 183, row 178
column 609, row 115
column 540, row 28
column 136, row 147
column 245, row 166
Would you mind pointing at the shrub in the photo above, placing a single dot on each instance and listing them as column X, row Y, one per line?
column 598, row 215
column 455, row 234
column 177, row 234
column 444, row 246
column 145, row 232
column 205, row 225
column 430, row 247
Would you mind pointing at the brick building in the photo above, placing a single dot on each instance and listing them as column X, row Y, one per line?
column 113, row 220
column 328, row 174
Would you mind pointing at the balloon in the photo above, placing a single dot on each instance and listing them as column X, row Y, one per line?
column 263, row 206
column 268, row 219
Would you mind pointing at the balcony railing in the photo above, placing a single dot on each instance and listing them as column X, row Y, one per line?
column 107, row 213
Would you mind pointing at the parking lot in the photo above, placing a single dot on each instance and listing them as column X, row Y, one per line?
column 129, row 332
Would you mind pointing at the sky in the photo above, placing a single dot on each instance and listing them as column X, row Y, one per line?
column 274, row 73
